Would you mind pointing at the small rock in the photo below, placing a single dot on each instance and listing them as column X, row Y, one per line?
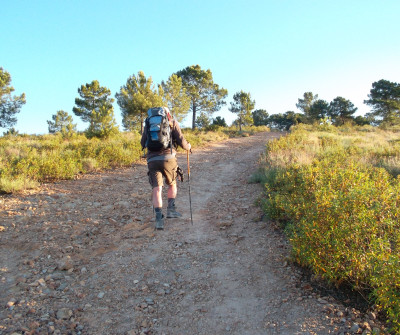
column 64, row 314
column 10, row 303
column 161, row 292
column 328, row 309
column 42, row 282
column 365, row 325
column 45, row 317
column 64, row 265
column 101, row 295
column 33, row 325
column 62, row 287
column 372, row 315
column 150, row 301
column 354, row 328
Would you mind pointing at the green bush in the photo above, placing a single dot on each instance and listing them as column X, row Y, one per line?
column 340, row 211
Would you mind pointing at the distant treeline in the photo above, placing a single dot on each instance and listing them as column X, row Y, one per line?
column 192, row 91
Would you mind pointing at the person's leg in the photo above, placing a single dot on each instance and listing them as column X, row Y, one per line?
column 156, row 181
column 171, row 209
column 172, row 190
column 157, row 203
column 157, row 197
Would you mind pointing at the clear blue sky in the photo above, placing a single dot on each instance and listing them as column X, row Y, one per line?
column 275, row 50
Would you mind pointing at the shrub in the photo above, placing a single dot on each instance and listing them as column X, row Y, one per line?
column 341, row 211
column 11, row 185
column 33, row 158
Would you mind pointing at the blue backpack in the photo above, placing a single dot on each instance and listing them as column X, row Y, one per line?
column 158, row 129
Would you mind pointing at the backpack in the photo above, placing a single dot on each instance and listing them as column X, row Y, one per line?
column 158, row 129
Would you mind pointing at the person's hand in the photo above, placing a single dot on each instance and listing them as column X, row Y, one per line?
column 190, row 148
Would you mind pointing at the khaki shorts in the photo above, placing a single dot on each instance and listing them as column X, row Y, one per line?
column 162, row 169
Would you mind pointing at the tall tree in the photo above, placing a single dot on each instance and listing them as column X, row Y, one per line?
column 242, row 105
column 103, row 123
column 93, row 97
column 384, row 98
column 341, row 110
column 260, row 117
column 205, row 95
column 135, row 98
column 175, row 97
column 285, row 121
column 62, row 123
column 9, row 105
column 305, row 104
column 318, row 110
column 219, row 121
column 203, row 121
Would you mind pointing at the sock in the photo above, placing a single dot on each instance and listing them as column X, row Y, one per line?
column 158, row 211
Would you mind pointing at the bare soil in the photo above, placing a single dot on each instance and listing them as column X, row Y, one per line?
column 82, row 257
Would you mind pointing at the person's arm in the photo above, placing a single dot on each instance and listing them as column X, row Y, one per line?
column 178, row 136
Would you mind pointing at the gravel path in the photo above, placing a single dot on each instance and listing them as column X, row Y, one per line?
column 82, row 257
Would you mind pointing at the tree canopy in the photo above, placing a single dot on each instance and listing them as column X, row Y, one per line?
column 305, row 104
column 341, row 110
column 260, row 117
column 175, row 97
column 384, row 98
column 62, row 123
column 242, row 105
column 285, row 121
column 9, row 105
column 205, row 95
column 103, row 123
column 135, row 98
column 219, row 121
column 93, row 97
column 318, row 110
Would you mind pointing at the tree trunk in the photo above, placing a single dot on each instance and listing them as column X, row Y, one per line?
column 194, row 117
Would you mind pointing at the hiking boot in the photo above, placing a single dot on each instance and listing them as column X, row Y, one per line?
column 172, row 213
column 159, row 221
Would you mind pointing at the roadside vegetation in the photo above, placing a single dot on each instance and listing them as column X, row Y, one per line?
column 336, row 192
column 28, row 160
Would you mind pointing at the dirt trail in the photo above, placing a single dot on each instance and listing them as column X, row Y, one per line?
column 82, row 257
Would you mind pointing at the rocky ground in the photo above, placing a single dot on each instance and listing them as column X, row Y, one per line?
column 82, row 257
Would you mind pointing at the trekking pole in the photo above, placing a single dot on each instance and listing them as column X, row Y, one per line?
column 190, row 198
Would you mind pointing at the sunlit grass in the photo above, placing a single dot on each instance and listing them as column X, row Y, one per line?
column 25, row 160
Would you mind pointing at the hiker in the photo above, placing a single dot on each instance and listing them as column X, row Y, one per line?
column 161, row 135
